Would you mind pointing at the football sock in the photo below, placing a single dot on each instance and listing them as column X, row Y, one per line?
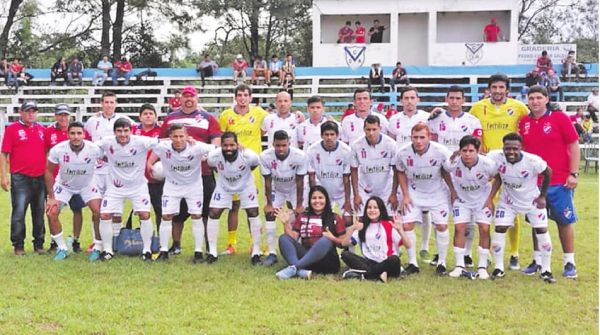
column 570, row 258
column 412, row 251
column 60, row 241
column 469, row 238
column 271, row 234
column 425, row 232
column 106, row 233
column 483, row 257
column 498, row 244
column 514, row 236
column 459, row 256
column 442, row 241
column 116, row 227
column 146, row 232
column 97, row 245
column 232, row 237
column 255, row 231
column 212, row 234
column 198, row 232
column 545, row 243
column 537, row 257
column 164, row 234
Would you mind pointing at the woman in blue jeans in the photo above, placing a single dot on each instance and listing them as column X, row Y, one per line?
column 309, row 244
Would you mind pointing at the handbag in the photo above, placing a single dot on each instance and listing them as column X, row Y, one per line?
column 129, row 242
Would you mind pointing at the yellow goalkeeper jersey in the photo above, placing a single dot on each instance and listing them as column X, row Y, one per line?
column 246, row 127
column 498, row 121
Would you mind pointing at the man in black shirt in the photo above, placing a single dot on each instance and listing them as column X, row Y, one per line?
column 376, row 32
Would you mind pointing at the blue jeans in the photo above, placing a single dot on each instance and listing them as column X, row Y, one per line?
column 24, row 191
column 322, row 257
column 99, row 78
column 118, row 74
column 79, row 78
column 13, row 77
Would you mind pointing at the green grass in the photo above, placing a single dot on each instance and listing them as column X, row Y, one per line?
column 126, row 296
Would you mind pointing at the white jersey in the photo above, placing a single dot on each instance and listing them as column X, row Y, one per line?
column 519, row 180
column 283, row 173
column 472, row 185
column 233, row 177
column 274, row 122
column 75, row 169
column 100, row 127
column 374, row 164
column 353, row 127
column 127, row 163
column 309, row 133
column 330, row 167
column 423, row 172
column 182, row 168
column 451, row 130
column 401, row 124
column 381, row 241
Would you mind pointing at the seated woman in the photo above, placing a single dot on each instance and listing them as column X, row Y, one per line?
column 320, row 230
column 379, row 240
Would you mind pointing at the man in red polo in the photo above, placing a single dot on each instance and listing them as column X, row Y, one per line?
column 492, row 32
column 23, row 148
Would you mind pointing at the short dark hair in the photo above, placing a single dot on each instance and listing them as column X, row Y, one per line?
column 357, row 22
column 398, row 63
column 571, row 52
column 361, row 90
column 456, row 88
column 376, row 20
column 75, row 124
column 122, row 123
column 538, row 89
column 408, row 89
column 470, row 139
column 499, row 77
column 241, row 88
column 229, row 134
column 350, row 105
column 108, row 94
column 372, row 119
column 348, row 23
column 330, row 125
column 313, row 99
column 281, row 135
column 544, row 53
column 512, row 137
column 175, row 126
column 147, row 106
column 274, row 56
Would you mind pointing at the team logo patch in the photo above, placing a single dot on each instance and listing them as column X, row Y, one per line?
column 338, row 162
column 304, row 131
column 547, row 247
column 292, row 166
column 409, row 161
column 496, row 248
column 351, row 126
column 242, row 167
column 117, row 183
column 133, row 151
column 464, row 128
column 145, row 201
column 355, row 56
column 443, row 213
column 524, row 174
column 568, row 213
column 479, row 176
column 292, row 126
column 510, row 111
column 383, row 154
column 251, row 197
column 190, row 157
column 363, row 153
column 198, row 204
column 94, row 190
column 487, row 212
column 271, row 124
column 168, row 154
column 542, row 216
column 251, row 119
column 433, row 162
column 220, row 166
column 474, row 52
column 87, row 160
column 547, row 128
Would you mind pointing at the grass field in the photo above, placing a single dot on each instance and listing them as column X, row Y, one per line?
column 127, row 296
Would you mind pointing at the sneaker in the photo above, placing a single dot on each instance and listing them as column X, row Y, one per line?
column 457, row 272
column 468, row 261
column 425, row 257
column 354, row 274
column 256, row 260
column 514, row 263
column 383, row 277
column 304, row 274
column 198, row 258
column 61, row 255
column 271, row 259
column 570, row 271
column 39, row 249
column 19, row 252
column 76, row 247
column 531, row 269
column 94, row 255
column 434, row 261
column 106, row 256
column 175, row 250
column 287, row 273
column 497, row 274
column 147, row 257
column 440, row 270
column 90, row 248
column 411, row 269
column 483, row 273
column 230, row 250
column 211, row 259
column 548, row 277
column 163, row 256
column 53, row 247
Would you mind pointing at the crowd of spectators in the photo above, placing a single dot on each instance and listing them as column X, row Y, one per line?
column 358, row 35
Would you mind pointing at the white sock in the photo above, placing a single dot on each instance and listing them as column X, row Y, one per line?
column 483, row 257
column 146, row 231
column 164, row 234
column 425, row 231
column 545, row 243
column 459, row 256
column 498, row 244
column 116, row 227
column 212, row 234
column 537, row 257
column 412, row 251
column 106, row 233
column 255, row 231
column 271, row 233
column 97, row 245
column 569, row 258
column 469, row 239
column 60, row 241
column 442, row 241
column 198, row 232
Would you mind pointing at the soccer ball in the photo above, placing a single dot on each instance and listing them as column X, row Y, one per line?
column 157, row 171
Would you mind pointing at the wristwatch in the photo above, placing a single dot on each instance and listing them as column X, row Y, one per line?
column 575, row 174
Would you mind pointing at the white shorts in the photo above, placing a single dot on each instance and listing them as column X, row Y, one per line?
column 114, row 199
column 364, row 196
column 279, row 199
column 171, row 203
column 222, row 198
column 100, row 179
column 463, row 213
column 505, row 216
column 439, row 210
column 64, row 194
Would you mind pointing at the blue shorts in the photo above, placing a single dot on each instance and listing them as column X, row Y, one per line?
column 76, row 202
column 559, row 202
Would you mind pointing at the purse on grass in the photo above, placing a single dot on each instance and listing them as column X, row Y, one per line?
column 129, row 242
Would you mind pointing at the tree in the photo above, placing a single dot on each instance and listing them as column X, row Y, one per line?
column 10, row 20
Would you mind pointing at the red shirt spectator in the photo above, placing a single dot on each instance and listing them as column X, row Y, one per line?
column 310, row 228
column 492, row 32
column 26, row 147
column 544, row 63
column 359, row 33
column 16, row 67
column 239, row 66
column 124, row 66
column 390, row 112
column 175, row 102
column 348, row 111
column 345, row 34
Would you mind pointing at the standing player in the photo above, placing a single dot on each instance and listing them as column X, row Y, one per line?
column 353, row 124
column 284, row 168
column 471, row 174
column 500, row 115
column 551, row 136
column 234, row 169
column 518, row 173
column 283, row 119
column 76, row 159
column 420, row 175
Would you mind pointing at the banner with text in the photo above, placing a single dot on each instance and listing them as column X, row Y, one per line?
column 529, row 53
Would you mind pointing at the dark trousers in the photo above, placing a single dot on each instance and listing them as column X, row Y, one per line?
column 54, row 76
column 27, row 191
column 320, row 258
column 561, row 95
column 205, row 73
column 156, row 191
column 593, row 112
column 396, row 81
column 391, row 265
column 372, row 81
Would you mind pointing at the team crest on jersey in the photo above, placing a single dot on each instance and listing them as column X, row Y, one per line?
column 292, row 166
column 413, row 186
column 338, row 162
column 251, row 119
column 190, row 157
column 199, row 117
column 304, row 131
column 271, row 124
column 509, row 200
column 355, row 56
column 64, row 183
column 251, row 197
column 458, row 173
column 443, row 213
column 547, row 128
column 524, row 174
column 383, row 154
column 464, row 128
column 87, row 160
column 398, row 125
column 145, row 201
column 66, row 158
column 510, row 111
column 242, row 167
column 198, row 204
column 568, row 213
column 292, row 126
column 117, row 183
column 433, row 162
column 479, row 176
column 133, row 151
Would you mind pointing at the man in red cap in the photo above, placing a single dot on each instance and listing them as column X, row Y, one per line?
column 492, row 32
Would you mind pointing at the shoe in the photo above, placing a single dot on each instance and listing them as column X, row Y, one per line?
column 147, row 257
column 286, row 273
column 19, row 252
column 497, row 274
column 304, row 274
column 163, row 256
column 354, row 274
column 434, row 261
column 175, row 250
column 383, row 277
column 39, row 249
column 90, row 248
column 425, row 257
column 548, row 277
column 531, row 269
column 106, row 256
column 514, row 263
column 483, row 273
column 198, row 258
column 472, row 275
column 468, row 261
column 76, row 247
column 256, row 260
column 570, row 271
column 230, row 250
column 440, row 270
column 211, row 259
column 411, row 269
column 94, row 255
column 271, row 259
column 53, row 247
column 61, row 255
column 457, row 272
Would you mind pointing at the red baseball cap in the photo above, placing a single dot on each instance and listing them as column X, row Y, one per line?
column 191, row 90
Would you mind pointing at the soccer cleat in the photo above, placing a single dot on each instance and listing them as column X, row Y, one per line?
column 211, row 259
column 61, row 255
column 531, row 269
column 548, row 277
column 198, row 258
column 570, row 271
column 147, row 257
column 354, row 274
column 90, row 248
column 411, row 269
column 304, row 274
column 440, row 270
column 457, row 272
column 256, row 260
column 94, row 255
column 271, row 259
column 483, row 273
column 472, row 275
column 230, row 250
column 383, row 277
column 287, row 273
column 497, row 274
column 434, row 261
column 53, row 247
column 468, row 261
column 106, row 256
column 163, row 256
column 425, row 257
column 76, row 247
column 514, row 263
column 175, row 250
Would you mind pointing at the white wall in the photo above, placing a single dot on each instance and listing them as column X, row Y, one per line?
column 413, row 39
column 331, row 24
column 455, row 27
column 333, row 55
column 454, row 54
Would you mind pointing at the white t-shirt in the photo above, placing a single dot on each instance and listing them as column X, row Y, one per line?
column 330, row 167
column 274, row 122
column 309, row 133
column 377, row 246
column 374, row 164
column 100, row 127
column 424, row 172
column 233, row 176
column 283, row 173
column 451, row 130
column 401, row 124
column 75, row 169
column 353, row 127
column 182, row 168
column 472, row 185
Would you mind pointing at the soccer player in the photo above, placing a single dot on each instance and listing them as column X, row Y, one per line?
column 76, row 159
column 518, row 173
column 283, row 168
column 500, row 115
column 551, row 136
column 283, row 119
column 421, row 178
column 353, row 124
column 471, row 174
column 126, row 156
column 234, row 168
column 182, row 166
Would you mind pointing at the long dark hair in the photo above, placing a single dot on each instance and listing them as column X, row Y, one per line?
column 327, row 216
column 383, row 216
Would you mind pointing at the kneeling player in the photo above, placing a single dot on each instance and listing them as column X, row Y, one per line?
column 518, row 173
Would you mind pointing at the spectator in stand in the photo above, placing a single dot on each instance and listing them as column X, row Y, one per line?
column 486, row 94
column 345, row 34
column 15, row 71
column 544, row 63
column 271, row 109
column 392, row 111
column 544, row 80
column 288, row 67
column 259, row 69
column 274, row 69
column 359, row 33
column 288, row 85
column 555, row 85
column 376, row 77
column 122, row 70
column 4, row 69
column 206, row 68
column 492, row 32
column 239, row 68
column 376, row 32
column 75, row 72
column 531, row 78
column 569, row 66
column 399, row 76
column 588, row 129
column 592, row 101
column 377, row 107
column 175, row 101
column 577, row 117
column 59, row 70
column 104, row 68
column 348, row 111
